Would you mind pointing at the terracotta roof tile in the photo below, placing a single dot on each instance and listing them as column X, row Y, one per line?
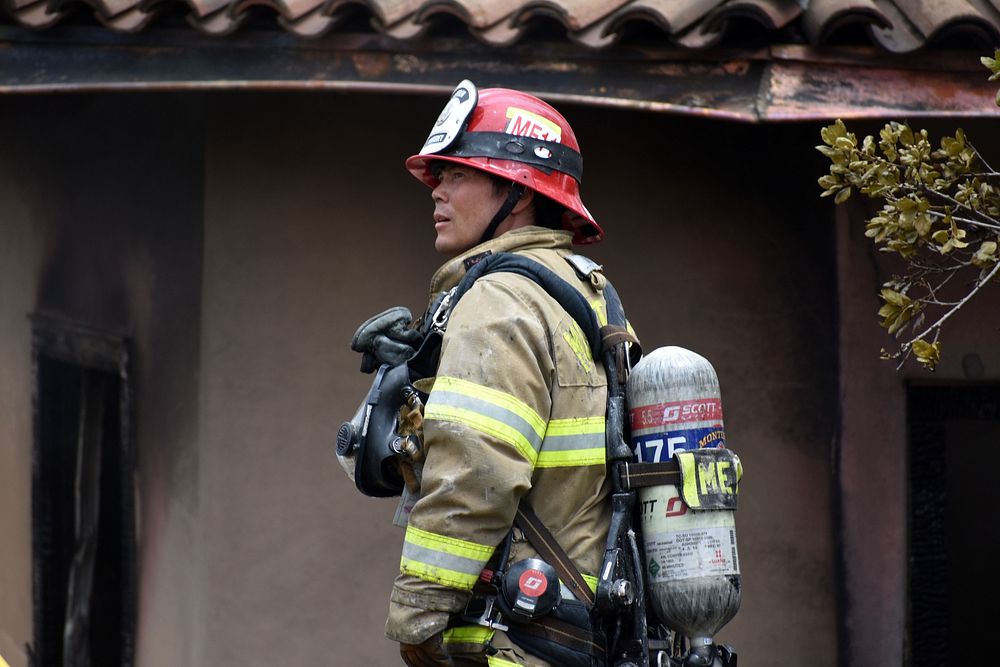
column 823, row 18
column 674, row 16
column 203, row 8
column 312, row 24
column 932, row 16
column 394, row 11
column 578, row 16
column 893, row 25
column 133, row 19
column 914, row 24
column 290, row 10
column 36, row 15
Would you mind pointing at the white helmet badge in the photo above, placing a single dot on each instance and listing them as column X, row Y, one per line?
column 451, row 122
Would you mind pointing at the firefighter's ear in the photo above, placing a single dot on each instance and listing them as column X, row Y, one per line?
column 525, row 201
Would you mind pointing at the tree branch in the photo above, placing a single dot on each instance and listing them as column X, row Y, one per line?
column 955, row 308
column 968, row 221
column 980, row 156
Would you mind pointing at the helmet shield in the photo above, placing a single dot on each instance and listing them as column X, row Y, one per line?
column 453, row 119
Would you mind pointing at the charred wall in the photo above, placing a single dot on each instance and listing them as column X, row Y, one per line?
column 102, row 228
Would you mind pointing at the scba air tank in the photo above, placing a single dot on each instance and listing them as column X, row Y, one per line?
column 691, row 563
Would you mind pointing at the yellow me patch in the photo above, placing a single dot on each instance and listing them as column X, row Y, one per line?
column 709, row 478
column 523, row 123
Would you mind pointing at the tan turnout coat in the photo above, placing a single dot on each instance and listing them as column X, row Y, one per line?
column 517, row 408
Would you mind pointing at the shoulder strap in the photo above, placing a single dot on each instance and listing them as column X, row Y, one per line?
column 551, row 552
column 567, row 296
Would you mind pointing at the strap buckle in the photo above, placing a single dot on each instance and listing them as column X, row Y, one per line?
column 485, row 612
column 439, row 320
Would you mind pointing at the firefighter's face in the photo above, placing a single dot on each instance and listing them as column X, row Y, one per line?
column 464, row 204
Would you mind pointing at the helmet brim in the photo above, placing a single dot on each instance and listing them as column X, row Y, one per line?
column 577, row 218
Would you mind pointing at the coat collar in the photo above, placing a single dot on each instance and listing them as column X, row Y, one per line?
column 525, row 238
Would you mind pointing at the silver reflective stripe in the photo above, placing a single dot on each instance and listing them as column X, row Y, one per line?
column 565, row 443
column 487, row 409
column 442, row 560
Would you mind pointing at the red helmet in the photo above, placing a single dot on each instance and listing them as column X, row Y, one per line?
column 515, row 136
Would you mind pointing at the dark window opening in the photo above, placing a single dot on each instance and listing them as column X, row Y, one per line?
column 954, row 533
column 83, row 503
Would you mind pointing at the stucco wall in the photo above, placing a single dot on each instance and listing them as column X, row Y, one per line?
column 312, row 225
column 255, row 549
column 20, row 256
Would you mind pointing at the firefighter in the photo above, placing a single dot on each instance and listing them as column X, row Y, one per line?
column 517, row 407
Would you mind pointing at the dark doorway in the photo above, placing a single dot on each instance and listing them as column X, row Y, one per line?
column 954, row 531
column 82, row 500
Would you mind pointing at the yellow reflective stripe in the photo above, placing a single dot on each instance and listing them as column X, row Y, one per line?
column 580, row 346
column 494, row 396
column 438, row 575
column 487, row 425
column 575, row 426
column 577, row 441
column 567, row 594
column 601, row 310
column 494, row 661
column 467, row 634
column 449, row 545
column 689, row 476
column 442, row 559
column 571, row 458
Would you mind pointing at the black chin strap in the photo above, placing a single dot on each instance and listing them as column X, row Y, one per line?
column 515, row 194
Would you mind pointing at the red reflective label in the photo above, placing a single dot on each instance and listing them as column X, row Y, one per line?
column 532, row 583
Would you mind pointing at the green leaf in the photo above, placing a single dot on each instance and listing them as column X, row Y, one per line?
column 844, row 143
column 928, row 354
column 828, row 181
column 831, row 133
column 842, row 196
column 923, row 224
column 985, row 257
column 894, row 297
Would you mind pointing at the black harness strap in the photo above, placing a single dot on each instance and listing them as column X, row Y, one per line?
column 513, row 196
column 641, row 475
column 563, row 633
column 565, row 294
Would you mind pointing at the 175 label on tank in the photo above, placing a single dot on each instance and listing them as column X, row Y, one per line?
column 656, row 447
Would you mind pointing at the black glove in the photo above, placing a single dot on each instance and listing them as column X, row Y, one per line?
column 386, row 338
column 430, row 653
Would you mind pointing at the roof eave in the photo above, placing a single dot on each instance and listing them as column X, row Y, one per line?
column 775, row 84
